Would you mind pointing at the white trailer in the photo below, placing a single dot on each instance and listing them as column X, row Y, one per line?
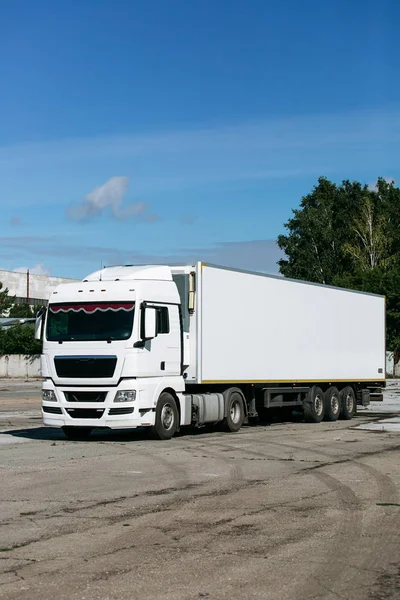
column 167, row 347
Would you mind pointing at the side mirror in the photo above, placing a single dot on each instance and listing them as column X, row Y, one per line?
column 39, row 323
column 150, row 331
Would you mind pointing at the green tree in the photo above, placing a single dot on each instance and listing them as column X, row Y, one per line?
column 19, row 339
column 370, row 243
column 317, row 231
column 6, row 301
column 22, row 311
column 388, row 196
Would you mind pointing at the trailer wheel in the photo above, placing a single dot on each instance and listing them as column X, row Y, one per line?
column 234, row 407
column 332, row 404
column 77, row 433
column 166, row 423
column 348, row 403
column 314, row 405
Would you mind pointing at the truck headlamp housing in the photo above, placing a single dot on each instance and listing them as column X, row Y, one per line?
column 48, row 396
column 125, row 396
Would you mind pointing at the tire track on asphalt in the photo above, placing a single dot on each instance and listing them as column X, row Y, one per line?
column 385, row 529
column 84, row 524
column 175, row 500
column 340, row 551
column 217, row 486
column 188, row 518
column 235, row 472
column 183, row 486
column 332, row 567
column 338, row 560
column 174, row 496
column 334, row 458
column 260, row 455
column 308, row 449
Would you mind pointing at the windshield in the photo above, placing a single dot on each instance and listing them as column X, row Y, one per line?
column 90, row 321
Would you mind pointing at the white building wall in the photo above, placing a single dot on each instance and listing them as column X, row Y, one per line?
column 19, row 366
column 40, row 286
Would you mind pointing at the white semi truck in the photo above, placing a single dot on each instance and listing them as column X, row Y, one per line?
column 166, row 347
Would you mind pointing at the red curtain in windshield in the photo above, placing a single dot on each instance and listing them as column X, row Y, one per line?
column 90, row 308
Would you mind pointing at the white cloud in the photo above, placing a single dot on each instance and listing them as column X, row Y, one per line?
column 108, row 196
column 38, row 269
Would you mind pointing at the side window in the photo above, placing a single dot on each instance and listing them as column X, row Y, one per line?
column 162, row 319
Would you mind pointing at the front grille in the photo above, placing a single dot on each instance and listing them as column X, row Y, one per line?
column 85, row 366
column 85, row 396
column 52, row 409
column 126, row 410
column 85, row 413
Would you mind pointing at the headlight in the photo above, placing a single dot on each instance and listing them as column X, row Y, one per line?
column 49, row 396
column 125, row 396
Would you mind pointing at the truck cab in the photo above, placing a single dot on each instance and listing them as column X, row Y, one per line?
column 112, row 344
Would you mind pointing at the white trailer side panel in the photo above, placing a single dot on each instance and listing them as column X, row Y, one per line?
column 256, row 328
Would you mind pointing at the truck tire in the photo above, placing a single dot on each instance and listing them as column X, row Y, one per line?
column 166, row 423
column 332, row 404
column 234, row 408
column 314, row 405
column 348, row 403
column 77, row 433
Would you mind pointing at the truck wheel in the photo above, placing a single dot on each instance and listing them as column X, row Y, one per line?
column 77, row 433
column 314, row 405
column 332, row 404
column 348, row 403
column 234, row 407
column 166, row 423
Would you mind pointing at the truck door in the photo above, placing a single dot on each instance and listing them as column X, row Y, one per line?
column 162, row 355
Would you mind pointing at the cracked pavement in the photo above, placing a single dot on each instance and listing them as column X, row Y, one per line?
column 284, row 511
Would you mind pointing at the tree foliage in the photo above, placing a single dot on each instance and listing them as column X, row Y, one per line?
column 6, row 301
column 19, row 339
column 22, row 311
column 348, row 235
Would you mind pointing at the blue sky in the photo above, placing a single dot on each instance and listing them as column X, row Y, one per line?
column 179, row 130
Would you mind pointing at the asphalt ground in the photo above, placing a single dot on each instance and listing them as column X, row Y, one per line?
column 280, row 511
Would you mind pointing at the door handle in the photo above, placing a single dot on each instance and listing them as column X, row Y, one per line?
column 162, row 366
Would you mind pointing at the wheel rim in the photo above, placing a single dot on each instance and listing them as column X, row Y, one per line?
column 335, row 404
column 349, row 403
column 167, row 416
column 318, row 404
column 235, row 411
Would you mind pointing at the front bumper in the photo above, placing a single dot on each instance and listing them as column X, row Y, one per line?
column 102, row 413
